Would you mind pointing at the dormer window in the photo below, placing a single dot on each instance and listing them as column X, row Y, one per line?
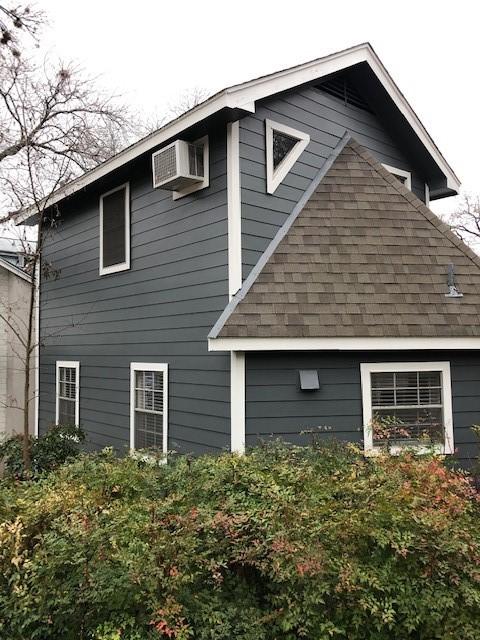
column 284, row 146
column 405, row 177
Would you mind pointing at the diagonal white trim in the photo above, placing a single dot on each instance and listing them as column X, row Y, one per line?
column 15, row 270
column 276, row 175
column 234, row 209
column 401, row 173
column 340, row 344
column 237, row 401
column 244, row 96
column 367, row 368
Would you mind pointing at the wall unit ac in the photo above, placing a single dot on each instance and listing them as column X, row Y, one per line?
column 178, row 166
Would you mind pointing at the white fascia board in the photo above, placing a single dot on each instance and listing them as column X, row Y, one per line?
column 243, row 96
column 340, row 344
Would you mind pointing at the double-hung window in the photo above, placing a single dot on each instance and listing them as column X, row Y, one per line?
column 115, row 230
column 67, row 393
column 149, row 406
column 407, row 405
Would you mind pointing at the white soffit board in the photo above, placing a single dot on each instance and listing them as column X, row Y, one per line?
column 243, row 96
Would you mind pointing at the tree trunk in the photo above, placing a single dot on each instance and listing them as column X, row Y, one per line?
column 27, row 454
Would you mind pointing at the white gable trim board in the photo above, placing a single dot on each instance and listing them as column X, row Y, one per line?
column 244, row 96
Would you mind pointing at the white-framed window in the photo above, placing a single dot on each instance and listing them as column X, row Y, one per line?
column 407, row 405
column 149, row 405
column 405, row 177
column 284, row 146
column 67, row 401
column 115, row 230
column 204, row 163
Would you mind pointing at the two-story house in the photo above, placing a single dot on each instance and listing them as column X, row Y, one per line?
column 265, row 265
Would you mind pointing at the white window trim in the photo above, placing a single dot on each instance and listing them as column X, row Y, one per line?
column 69, row 364
column 400, row 172
column 366, row 368
column 275, row 177
column 149, row 366
column 121, row 266
column 206, row 172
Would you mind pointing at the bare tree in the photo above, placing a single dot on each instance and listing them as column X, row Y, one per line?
column 187, row 100
column 465, row 221
column 54, row 124
column 15, row 21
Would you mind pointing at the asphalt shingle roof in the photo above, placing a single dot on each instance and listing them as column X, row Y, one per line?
column 363, row 258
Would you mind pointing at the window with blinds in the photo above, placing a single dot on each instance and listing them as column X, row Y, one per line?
column 149, row 406
column 115, row 230
column 67, row 393
column 407, row 407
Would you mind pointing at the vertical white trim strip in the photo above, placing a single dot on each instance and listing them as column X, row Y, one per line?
column 234, row 209
column 427, row 195
column 36, row 423
column 237, row 401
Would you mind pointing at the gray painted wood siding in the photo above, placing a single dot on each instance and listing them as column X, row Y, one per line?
column 160, row 310
column 325, row 119
column 276, row 407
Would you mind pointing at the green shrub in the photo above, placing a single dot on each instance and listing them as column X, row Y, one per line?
column 59, row 444
column 281, row 544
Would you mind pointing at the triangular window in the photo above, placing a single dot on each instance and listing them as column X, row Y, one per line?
column 284, row 146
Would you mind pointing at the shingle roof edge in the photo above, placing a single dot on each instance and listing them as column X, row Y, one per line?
column 281, row 233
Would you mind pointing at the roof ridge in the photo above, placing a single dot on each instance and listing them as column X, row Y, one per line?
column 427, row 213
column 278, row 237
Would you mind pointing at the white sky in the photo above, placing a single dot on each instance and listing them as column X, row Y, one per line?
column 151, row 51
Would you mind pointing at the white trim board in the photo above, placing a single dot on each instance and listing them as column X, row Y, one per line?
column 366, row 368
column 276, row 175
column 400, row 173
column 341, row 344
column 234, row 207
column 149, row 366
column 243, row 96
column 68, row 364
column 237, row 402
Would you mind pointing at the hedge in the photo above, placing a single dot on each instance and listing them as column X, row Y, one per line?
column 281, row 544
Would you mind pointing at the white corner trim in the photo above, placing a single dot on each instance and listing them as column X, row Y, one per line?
column 69, row 364
column 276, row 176
column 36, row 354
column 237, row 402
column 176, row 195
column 234, row 209
column 149, row 366
column 427, row 195
column 400, row 172
column 122, row 266
column 340, row 344
column 366, row 368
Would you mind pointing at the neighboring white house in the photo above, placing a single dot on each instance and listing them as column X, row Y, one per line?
column 14, row 304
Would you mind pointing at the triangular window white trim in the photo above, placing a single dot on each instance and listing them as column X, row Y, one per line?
column 276, row 175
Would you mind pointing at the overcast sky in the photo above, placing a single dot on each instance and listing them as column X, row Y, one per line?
column 151, row 51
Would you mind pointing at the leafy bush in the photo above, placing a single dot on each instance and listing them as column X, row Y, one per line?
column 59, row 444
column 281, row 544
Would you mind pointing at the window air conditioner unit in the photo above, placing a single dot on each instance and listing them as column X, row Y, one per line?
column 177, row 166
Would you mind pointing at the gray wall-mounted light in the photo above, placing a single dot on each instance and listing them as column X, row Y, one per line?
column 309, row 379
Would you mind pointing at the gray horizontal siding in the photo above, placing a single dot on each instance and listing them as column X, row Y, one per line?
column 325, row 119
column 275, row 406
column 161, row 310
